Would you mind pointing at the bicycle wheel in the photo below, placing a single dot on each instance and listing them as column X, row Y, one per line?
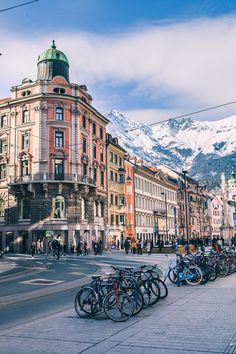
column 80, row 312
column 137, row 298
column 88, row 300
column 172, row 275
column 118, row 306
column 153, row 291
column 193, row 275
column 212, row 273
column 223, row 269
column 163, row 289
column 146, row 297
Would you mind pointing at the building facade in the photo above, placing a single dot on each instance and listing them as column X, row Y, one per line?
column 52, row 160
column 155, row 204
column 130, row 199
column 116, row 191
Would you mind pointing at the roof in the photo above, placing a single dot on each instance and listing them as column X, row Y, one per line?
column 53, row 54
column 5, row 99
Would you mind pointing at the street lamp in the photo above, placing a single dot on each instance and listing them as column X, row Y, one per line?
column 164, row 195
column 186, row 211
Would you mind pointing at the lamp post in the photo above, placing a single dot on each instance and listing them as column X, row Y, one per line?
column 164, row 195
column 186, row 211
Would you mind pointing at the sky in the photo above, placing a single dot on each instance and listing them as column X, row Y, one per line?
column 148, row 59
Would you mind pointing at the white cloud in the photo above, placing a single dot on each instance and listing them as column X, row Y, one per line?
column 192, row 63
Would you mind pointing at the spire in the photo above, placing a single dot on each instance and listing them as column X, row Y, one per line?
column 53, row 44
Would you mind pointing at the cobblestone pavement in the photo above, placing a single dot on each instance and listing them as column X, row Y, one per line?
column 193, row 320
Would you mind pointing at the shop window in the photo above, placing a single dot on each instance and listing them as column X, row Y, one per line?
column 59, row 207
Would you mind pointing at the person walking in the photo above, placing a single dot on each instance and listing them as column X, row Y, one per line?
column 33, row 249
column 100, row 247
column 140, row 247
column 85, row 248
column 126, row 246
column 148, row 247
column 133, row 245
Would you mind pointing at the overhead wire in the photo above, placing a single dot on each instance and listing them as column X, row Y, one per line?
column 15, row 6
column 180, row 116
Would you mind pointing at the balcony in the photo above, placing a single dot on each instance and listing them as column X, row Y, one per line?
column 159, row 212
column 52, row 177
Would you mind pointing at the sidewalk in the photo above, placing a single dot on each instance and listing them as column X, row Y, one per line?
column 191, row 320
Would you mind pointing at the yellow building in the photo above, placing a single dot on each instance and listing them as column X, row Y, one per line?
column 115, row 192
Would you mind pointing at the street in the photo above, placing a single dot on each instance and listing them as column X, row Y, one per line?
column 37, row 317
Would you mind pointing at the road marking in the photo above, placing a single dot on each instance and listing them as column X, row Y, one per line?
column 42, row 281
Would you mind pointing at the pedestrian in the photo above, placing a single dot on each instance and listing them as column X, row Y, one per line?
column 95, row 247
column 133, row 245
column 140, row 247
column 118, row 244
column 72, row 247
column 85, row 248
column 38, row 246
column 148, row 247
column 100, row 247
column 222, row 241
column 33, row 249
column 126, row 246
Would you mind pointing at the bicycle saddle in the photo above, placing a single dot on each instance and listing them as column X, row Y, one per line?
column 96, row 276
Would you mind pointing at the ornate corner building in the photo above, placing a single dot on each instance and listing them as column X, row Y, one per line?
column 52, row 160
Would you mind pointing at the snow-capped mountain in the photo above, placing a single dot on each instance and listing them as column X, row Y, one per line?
column 205, row 148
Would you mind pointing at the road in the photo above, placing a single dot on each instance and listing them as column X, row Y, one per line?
column 34, row 288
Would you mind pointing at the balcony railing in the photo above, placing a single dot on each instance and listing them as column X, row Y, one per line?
column 51, row 177
column 159, row 212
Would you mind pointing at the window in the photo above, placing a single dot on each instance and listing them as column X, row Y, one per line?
column 59, row 169
column 24, row 168
column 120, row 161
column 84, row 147
column 95, row 174
column 122, row 200
column 111, row 199
column 117, row 219
column 102, row 178
column 101, row 133
column 122, row 220
column 84, row 169
column 59, row 207
column 101, row 154
column 84, row 121
column 116, row 159
column 121, row 178
column 84, row 209
column 111, row 156
column 3, row 146
column 96, row 208
column 112, row 219
column 94, row 128
column 59, row 113
column 25, row 141
column 102, row 209
column 25, row 208
column 2, row 207
column 116, row 177
column 3, row 121
column 2, row 171
column 94, row 151
column 111, row 175
column 59, row 139
column 25, row 116
column 116, row 200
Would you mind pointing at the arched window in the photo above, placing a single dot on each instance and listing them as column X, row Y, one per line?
column 25, row 118
column 25, row 208
column 59, row 207
column 2, row 207
column 59, row 113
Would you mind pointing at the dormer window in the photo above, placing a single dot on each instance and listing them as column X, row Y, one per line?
column 59, row 90
column 25, row 93
column 25, row 116
column 59, row 113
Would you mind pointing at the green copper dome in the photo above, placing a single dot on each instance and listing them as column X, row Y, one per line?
column 53, row 54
